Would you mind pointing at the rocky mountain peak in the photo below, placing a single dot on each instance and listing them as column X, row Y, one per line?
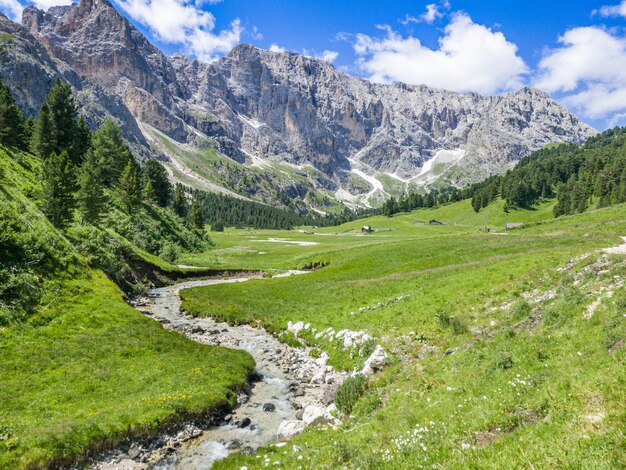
column 362, row 141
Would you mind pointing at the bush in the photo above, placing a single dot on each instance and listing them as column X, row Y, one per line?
column 217, row 226
column 349, row 393
column 170, row 252
column 368, row 348
column 100, row 250
column 505, row 361
column 449, row 321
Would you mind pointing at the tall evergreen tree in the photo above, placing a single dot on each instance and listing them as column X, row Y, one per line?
column 11, row 120
column 157, row 175
column 180, row 201
column 128, row 187
column 148, row 193
column 90, row 197
column 63, row 116
column 111, row 154
column 43, row 138
column 28, row 126
column 58, row 187
column 196, row 215
column 82, row 140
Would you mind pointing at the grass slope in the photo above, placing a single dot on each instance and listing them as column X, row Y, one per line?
column 526, row 379
column 79, row 368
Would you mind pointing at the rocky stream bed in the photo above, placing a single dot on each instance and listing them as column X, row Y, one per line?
column 289, row 391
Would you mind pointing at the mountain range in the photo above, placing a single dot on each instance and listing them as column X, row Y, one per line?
column 277, row 127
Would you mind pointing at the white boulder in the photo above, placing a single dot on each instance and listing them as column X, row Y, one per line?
column 290, row 428
column 375, row 362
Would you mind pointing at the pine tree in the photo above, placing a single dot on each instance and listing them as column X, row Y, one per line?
column 58, row 188
column 111, row 153
column 28, row 126
column 43, row 140
column 90, row 197
column 11, row 120
column 148, row 193
column 156, row 173
column 180, row 201
column 128, row 189
column 477, row 202
column 63, row 115
column 82, row 140
column 196, row 215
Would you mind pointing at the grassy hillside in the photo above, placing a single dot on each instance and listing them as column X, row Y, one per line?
column 504, row 349
column 79, row 366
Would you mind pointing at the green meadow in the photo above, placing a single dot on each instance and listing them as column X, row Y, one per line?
column 495, row 362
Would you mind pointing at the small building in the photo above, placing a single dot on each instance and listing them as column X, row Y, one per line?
column 435, row 222
column 510, row 225
column 366, row 229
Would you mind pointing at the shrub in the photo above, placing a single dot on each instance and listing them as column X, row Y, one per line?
column 170, row 252
column 349, row 393
column 368, row 348
column 505, row 361
column 449, row 321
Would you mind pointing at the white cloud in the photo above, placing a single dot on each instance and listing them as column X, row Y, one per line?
column 45, row 4
column 612, row 10
column 470, row 57
column 433, row 12
column 588, row 69
column 184, row 22
column 276, row 48
column 12, row 8
column 326, row 56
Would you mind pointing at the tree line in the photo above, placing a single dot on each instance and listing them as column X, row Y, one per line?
column 592, row 174
column 414, row 200
column 579, row 177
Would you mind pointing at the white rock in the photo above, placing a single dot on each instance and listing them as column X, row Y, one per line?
column 375, row 362
column 314, row 416
column 319, row 377
column 290, row 428
column 295, row 328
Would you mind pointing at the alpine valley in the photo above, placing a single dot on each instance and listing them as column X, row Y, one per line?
column 264, row 125
column 261, row 261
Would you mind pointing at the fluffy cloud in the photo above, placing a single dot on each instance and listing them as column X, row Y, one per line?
column 612, row 10
column 433, row 12
column 276, row 48
column 588, row 70
column 326, row 56
column 470, row 57
column 184, row 22
column 12, row 8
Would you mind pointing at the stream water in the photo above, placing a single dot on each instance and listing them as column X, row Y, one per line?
column 282, row 389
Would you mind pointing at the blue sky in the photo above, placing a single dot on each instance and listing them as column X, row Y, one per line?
column 575, row 51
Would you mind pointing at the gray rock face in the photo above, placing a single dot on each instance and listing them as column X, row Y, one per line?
column 305, row 111
column 254, row 105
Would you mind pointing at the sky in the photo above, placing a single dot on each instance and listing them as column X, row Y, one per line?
column 574, row 50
